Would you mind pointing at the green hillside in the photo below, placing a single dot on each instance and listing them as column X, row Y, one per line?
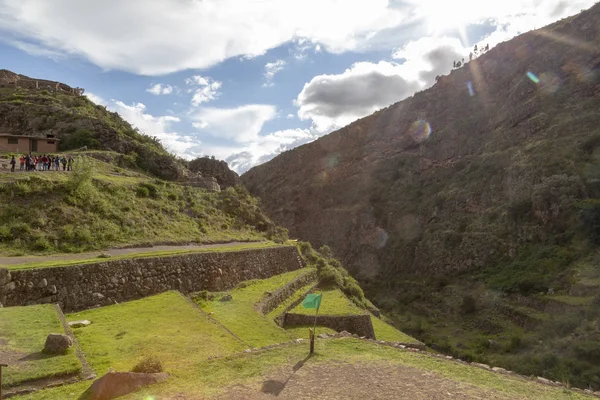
column 101, row 205
column 207, row 352
column 470, row 212
column 78, row 123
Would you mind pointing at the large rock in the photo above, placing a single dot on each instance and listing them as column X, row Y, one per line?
column 117, row 384
column 215, row 168
column 57, row 343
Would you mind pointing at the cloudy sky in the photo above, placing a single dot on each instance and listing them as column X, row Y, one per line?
column 244, row 80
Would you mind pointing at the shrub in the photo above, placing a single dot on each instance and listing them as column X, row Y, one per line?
column 329, row 276
column 326, row 251
column 142, row 191
column 148, row 365
column 151, row 190
column 469, row 305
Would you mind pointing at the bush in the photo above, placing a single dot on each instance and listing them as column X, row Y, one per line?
column 142, row 191
column 329, row 276
column 469, row 305
column 149, row 365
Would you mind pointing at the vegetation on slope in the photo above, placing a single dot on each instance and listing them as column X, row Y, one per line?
column 464, row 214
column 100, row 205
column 78, row 123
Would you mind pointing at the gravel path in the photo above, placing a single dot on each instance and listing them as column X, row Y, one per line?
column 112, row 252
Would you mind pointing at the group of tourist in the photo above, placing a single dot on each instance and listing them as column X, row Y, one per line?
column 46, row 162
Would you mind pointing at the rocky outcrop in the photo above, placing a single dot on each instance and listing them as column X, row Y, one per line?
column 215, row 168
column 447, row 181
column 83, row 286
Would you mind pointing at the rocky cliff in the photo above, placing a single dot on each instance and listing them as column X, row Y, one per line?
column 215, row 168
column 452, row 179
column 470, row 212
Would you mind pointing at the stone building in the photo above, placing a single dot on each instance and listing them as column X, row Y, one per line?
column 26, row 144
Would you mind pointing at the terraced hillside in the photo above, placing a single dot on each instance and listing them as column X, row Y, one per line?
column 210, row 354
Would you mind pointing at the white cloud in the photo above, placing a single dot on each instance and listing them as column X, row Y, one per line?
column 290, row 116
column 333, row 101
column 242, row 124
column 267, row 147
column 205, row 89
column 159, row 37
column 159, row 89
column 160, row 127
column 271, row 69
column 95, row 99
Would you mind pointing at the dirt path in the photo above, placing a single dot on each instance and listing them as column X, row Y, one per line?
column 373, row 381
column 113, row 253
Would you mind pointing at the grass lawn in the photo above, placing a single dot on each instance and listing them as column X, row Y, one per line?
column 334, row 302
column 290, row 300
column 240, row 315
column 25, row 330
column 224, row 249
column 165, row 326
column 209, row 377
column 302, row 331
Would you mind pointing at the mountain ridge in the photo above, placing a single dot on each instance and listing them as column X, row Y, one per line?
column 468, row 210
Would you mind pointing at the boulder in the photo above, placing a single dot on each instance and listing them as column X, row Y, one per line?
column 79, row 324
column 117, row 384
column 57, row 343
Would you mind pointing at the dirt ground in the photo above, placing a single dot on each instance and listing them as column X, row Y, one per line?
column 362, row 381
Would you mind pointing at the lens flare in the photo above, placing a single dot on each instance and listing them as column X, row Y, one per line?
column 470, row 87
column 550, row 82
column 533, row 77
column 419, row 130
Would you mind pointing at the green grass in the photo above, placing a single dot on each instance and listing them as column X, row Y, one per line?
column 165, row 326
column 243, row 319
column 95, row 260
column 573, row 300
column 384, row 331
column 300, row 293
column 26, row 329
column 210, row 377
column 302, row 331
column 334, row 302
column 91, row 208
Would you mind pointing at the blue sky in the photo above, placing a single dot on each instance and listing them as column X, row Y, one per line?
column 245, row 80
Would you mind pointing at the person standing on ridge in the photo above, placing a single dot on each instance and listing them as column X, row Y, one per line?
column 21, row 162
column 12, row 164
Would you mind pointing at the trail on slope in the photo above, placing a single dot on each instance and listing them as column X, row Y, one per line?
column 115, row 253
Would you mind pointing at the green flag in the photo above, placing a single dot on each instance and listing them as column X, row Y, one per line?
column 312, row 301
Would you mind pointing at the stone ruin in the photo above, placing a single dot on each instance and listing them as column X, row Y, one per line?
column 10, row 79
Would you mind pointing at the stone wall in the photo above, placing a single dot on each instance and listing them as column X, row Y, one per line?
column 80, row 287
column 280, row 295
column 357, row 324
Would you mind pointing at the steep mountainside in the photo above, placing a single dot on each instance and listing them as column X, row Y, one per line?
column 36, row 107
column 473, row 205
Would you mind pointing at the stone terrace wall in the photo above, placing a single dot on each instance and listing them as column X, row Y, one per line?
column 80, row 287
column 358, row 324
column 274, row 299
